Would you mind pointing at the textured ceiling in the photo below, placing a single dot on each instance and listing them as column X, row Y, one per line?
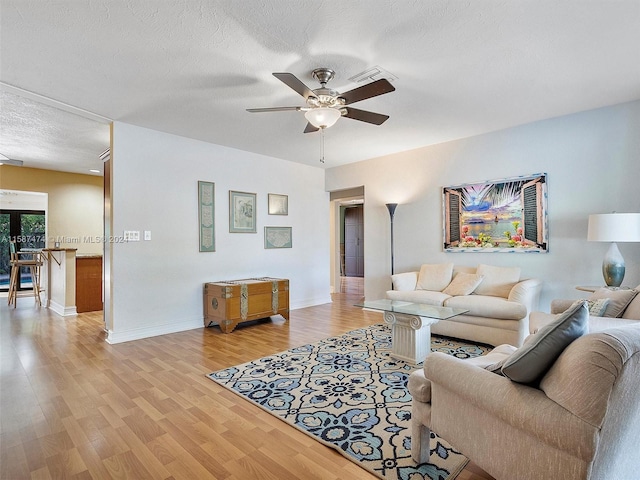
column 192, row 67
column 44, row 136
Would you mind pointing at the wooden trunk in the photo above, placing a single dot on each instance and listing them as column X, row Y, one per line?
column 229, row 303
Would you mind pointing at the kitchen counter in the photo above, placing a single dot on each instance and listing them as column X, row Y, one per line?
column 61, row 280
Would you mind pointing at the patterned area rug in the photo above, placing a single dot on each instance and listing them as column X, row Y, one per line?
column 350, row 394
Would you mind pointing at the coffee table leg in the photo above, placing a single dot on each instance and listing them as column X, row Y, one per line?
column 410, row 336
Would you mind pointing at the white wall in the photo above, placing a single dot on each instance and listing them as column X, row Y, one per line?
column 157, row 284
column 592, row 160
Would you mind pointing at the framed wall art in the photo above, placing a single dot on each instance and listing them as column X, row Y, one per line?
column 507, row 215
column 278, row 204
column 277, row 237
column 206, row 216
column 242, row 212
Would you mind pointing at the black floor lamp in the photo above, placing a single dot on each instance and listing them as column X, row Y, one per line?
column 392, row 209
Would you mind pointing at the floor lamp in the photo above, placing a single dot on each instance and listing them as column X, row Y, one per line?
column 392, row 209
column 614, row 227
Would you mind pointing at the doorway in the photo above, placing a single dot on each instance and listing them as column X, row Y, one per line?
column 347, row 244
column 354, row 241
column 27, row 227
column 352, row 247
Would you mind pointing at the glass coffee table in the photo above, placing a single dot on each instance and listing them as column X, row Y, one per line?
column 410, row 325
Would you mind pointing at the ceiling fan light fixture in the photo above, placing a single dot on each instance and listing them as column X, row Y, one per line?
column 323, row 117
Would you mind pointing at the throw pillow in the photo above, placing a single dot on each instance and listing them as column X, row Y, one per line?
column 531, row 361
column 597, row 307
column 619, row 299
column 434, row 277
column 633, row 309
column 463, row 284
column 497, row 366
column 498, row 281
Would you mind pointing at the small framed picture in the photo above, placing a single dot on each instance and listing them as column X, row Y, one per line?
column 242, row 212
column 206, row 216
column 277, row 237
column 278, row 204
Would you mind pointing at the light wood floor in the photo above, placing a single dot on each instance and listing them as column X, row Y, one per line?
column 73, row 406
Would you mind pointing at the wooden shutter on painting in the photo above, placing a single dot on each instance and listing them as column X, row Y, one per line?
column 452, row 210
column 532, row 211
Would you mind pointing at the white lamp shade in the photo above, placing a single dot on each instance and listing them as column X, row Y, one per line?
column 323, row 117
column 614, row 227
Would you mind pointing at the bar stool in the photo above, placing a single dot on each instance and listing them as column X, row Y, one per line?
column 34, row 262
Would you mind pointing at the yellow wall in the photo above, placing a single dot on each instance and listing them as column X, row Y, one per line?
column 74, row 212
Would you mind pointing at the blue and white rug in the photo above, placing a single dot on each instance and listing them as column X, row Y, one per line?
column 350, row 394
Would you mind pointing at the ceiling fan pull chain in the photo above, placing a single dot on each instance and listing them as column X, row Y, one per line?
column 322, row 145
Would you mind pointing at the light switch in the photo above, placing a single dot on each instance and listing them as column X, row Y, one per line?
column 147, row 234
column 131, row 235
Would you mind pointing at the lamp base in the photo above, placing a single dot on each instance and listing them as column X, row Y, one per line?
column 613, row 267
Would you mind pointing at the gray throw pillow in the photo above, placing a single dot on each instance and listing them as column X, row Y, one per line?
column 531, row 361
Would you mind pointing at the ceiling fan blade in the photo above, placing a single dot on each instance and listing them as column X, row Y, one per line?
column 364, row 116
column 293, row 82
column 373, row 89
column 310, row 128
column 272, row 109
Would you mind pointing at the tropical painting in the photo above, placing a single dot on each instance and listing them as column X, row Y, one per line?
column 508, row 215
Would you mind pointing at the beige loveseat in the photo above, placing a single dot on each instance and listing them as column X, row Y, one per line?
column 622, row 308
column 498, row 300
column 580, row 421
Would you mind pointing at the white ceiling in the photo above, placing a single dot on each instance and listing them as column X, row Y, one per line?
column 192, row 67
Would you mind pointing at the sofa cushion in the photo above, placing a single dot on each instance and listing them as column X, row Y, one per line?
column 463, row 268
column 632, row 311
column 434, row 277
column 463, row 284
column 619, row 299
column 487, row 306
column 531, row 361
column 404, row 281
column 497, row 281
column 418, row 296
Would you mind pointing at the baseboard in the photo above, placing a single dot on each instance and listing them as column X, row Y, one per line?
column 154, row 331
column 311, row 302
column 61, row 309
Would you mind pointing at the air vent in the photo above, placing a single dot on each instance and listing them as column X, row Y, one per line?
column 106, row 155
column 372, row 74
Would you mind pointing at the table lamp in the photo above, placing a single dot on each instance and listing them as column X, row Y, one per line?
column 614, row 227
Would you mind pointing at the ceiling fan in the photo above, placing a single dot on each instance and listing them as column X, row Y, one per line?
column 325, row 106
column 4, row 160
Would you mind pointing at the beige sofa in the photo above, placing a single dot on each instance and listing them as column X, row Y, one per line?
column 623, row 308
column 498, row 300
column 582, row 420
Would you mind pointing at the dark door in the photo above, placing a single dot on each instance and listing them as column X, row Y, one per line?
column 28, row 229
column 354, row 241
